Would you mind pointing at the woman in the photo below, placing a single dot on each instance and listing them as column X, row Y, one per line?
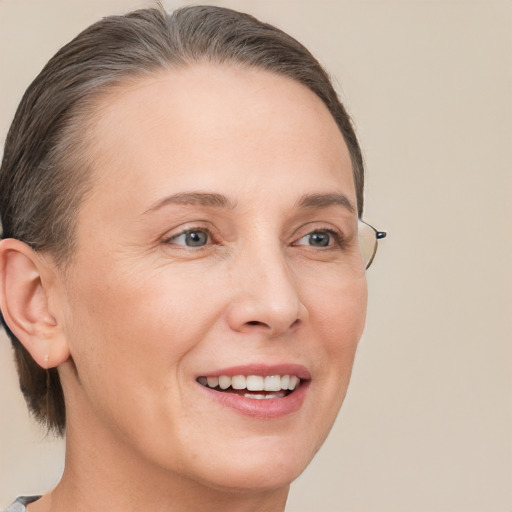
column 182, row 265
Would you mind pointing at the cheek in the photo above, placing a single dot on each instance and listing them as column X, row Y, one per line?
column 348, row 317
column 130, row 338
column 137, row 324
column 339, row 313
column 338, row 320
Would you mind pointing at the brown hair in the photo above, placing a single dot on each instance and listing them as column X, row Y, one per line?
column 42, row 178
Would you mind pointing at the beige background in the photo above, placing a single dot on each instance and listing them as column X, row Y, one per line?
column 427, row 425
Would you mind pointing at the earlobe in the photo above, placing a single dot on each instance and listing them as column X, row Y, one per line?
column 24, row 304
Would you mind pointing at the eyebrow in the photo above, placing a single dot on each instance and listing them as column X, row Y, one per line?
column 209, row 199
column 318, row 201
column 194, row 199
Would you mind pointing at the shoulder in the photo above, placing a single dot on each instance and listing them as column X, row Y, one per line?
column 19, row 504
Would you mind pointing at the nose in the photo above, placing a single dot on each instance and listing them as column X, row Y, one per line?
column 266, row 296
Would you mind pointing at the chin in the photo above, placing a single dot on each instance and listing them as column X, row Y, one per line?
column 259, row 477
column 264, row 464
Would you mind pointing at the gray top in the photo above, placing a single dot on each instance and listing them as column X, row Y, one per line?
column 19, row 504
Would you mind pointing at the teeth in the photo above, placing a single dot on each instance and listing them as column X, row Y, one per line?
column 238, row 382
column 224, row 382
column 253, row 383
column 273, row 383
column 213, row 382
column 255, row 397
column 275, row 395
column 264, row 397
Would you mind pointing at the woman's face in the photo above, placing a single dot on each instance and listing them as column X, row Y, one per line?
column 219, row 240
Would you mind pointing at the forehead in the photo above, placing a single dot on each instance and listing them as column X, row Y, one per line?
column 207, row 123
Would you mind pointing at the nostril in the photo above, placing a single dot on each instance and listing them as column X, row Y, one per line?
column 263, row 324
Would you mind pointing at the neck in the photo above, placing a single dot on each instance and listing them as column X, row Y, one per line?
column 101, row 471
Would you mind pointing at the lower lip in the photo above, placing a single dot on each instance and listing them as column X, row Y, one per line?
column 265, row 408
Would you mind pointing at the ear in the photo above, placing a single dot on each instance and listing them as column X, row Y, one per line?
column 25, row 284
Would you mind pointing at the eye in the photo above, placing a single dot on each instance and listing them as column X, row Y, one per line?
column 191, row 238
column 318, row 238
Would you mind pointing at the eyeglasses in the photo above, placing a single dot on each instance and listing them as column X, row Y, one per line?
column 368, row 241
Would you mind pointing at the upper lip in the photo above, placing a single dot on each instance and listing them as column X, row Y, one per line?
column 263, row 370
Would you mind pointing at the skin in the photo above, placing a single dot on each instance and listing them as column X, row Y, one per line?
column 138, row 314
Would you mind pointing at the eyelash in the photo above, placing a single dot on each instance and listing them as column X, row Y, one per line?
column 339, row 241
column 207, row 231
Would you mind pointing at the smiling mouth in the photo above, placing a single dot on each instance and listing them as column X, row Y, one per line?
column 256, row 387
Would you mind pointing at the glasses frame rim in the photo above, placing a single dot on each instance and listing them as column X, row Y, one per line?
column 379, row 235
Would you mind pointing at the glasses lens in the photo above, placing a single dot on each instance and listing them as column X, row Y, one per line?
column 367, row 242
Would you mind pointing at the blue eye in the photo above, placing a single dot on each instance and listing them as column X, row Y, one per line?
column 316, row 239
column 191, row 238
